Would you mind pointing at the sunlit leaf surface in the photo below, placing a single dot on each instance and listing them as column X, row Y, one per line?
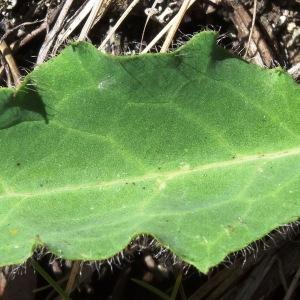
column 197, row 148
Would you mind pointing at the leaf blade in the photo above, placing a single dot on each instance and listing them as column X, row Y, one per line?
column 188, row 152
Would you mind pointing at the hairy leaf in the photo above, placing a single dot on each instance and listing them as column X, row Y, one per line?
column 197, row 148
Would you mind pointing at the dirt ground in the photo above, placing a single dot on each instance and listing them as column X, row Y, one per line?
column 32, row 31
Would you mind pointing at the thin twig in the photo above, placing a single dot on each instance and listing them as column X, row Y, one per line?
column 51, row 16
column 105, row 5
column 28, row 37
column 72, row 24
column 7, row 71
column 15, row 46
column 147, row 20
column 90, row 21
column 119, row 22
column 261, row 52
column 295, row 71
column 175, row 26
column 7, row 54
column 73, row 276
column 50, row 37
column 252, row 27
column 6, row 34
column 176, row 287
column 3, row 283
column 163, row 31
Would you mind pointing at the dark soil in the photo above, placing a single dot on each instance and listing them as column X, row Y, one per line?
column 264, row 270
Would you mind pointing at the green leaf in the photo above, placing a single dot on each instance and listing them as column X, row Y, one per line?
column 197, row 148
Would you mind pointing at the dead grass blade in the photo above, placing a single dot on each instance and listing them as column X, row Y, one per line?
column 97, row 4
column 54, row 31
column 164, row 31
column 119, row 22
column 175, row 25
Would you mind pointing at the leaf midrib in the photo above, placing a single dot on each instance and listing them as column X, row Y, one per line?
column 163, row 176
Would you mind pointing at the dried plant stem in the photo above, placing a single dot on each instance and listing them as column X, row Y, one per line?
column 146, row 23
column 7, row 55
column 119, row 22
column 252, row 27
column 72, row 24
column 295, row 70
column 163, row 31
column 50, row 36
column 6, row 34
column 16, row 45
column 175, row 26
column 7, row 71
column 72, row 279
column 90, row 21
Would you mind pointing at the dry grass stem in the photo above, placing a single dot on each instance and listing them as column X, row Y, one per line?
column 72, row 24
column 51, row 35
column 4, row 36
column 72, row 279
column 97, row 4
column 295, row 71
column 7, row 55
column 164, row 31
column 175, row 25
column 252, row 27
column 146, row 23
column 7, row 71
column 119, row 22
column 16, row 45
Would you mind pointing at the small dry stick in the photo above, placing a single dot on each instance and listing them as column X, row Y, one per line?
column 159, row 36
column 11, row 62
column 73, row 275
column 72, row 24
column 17, row 27
column 7, row 71
column 15, row 46
column 49, row 19
column 163, row 31
column 295, row 71
column 119, row 22
column 50, row 36
column 147, row 20
column 105, row 5
column 90, row 21
column 3, row 282
column 175, row 26
column 252, row 27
